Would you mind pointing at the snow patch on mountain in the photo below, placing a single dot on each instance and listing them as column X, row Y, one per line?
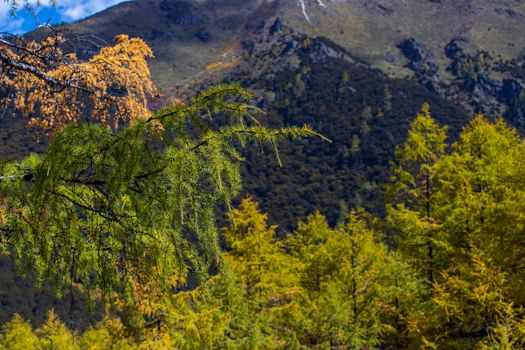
column 304, row 7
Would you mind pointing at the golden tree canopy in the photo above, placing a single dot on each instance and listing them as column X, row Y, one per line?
column 54, row 88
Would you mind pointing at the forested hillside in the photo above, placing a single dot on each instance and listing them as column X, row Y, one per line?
column 363, row 111
column 440, row 271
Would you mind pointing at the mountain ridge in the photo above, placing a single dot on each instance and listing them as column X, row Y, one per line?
column 189, row 35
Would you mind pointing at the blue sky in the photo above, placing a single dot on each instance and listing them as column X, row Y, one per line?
column 65, row 11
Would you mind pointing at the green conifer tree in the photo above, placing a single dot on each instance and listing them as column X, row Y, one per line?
column 411, row 210
column 127, row 212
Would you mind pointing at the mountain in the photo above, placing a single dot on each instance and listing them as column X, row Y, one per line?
column 189, row 35
column 271, row 48
column 371, row 29
column 471, row 52
column 186, row 36
column 358, row 71
column 363, row 111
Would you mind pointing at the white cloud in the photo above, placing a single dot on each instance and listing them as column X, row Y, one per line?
column 67, row 10
column 72, row 10
column 7, row 23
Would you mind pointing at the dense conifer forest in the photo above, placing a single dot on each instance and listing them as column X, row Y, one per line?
column 441, row 270
column 148, row 210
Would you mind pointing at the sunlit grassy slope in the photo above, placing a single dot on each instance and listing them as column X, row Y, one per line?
column 371, row 29
column 187, row 36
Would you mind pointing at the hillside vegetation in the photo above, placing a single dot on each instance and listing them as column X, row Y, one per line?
column 347, row 174
column 439, row 272
column 188, row 35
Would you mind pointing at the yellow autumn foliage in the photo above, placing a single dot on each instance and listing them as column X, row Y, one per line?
column 54, row 88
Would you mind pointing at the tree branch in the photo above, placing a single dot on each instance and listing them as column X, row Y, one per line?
column 8, row 61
